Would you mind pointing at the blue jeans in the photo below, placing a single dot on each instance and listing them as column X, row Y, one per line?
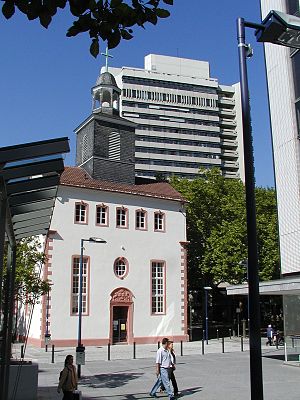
column 164, row 378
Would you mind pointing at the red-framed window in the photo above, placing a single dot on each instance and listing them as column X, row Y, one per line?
column 102, row 215
column 121, row 267
column 141, row 220
column 159, row 221
column 81, row 213
column 122, row 217
column 75, row 285
column 158, row 287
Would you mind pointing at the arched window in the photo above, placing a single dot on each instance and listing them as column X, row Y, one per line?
column 121, row 267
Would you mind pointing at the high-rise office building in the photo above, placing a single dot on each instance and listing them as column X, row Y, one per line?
column 283, row 76
column 185, row 119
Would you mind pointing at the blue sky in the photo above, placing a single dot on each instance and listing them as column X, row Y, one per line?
column 46, row 77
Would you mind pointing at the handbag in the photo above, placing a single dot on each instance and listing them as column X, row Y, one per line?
column 77, row 395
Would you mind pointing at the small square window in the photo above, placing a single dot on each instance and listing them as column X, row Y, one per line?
column 122, row 218
column 102, row 215
column 159, row 221
column 81, row 213
column 141, row 220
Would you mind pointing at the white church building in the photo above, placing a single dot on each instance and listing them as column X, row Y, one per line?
column 135, row 278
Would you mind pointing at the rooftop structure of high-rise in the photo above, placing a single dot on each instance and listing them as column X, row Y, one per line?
column 185, row 119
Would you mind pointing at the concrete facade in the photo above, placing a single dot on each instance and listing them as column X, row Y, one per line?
column 285, row 138
column 185, row 119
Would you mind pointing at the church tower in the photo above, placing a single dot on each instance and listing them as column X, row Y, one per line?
column 105, row 145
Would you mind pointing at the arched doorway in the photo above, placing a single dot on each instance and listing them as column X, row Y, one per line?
column 121, row 316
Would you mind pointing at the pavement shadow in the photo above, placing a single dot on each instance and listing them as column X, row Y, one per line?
column 190, row 391
column 275, row 356
column 109, row 380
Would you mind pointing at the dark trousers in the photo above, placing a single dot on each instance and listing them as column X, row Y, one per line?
column 173, row 380
column 174, row 383
column 68, row 396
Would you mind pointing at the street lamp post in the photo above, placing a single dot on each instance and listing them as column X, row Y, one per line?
column 283, row 29
column 206, row 289
column 80, row 348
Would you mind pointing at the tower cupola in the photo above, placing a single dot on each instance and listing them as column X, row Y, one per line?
column 106, row 95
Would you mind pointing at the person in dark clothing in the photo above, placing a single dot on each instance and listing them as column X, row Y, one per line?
column 172, row 369
column 172, row 376
column 68, row 380
column 270, row 334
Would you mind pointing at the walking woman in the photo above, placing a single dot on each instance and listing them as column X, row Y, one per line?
column 68, row 379
column 172, row 376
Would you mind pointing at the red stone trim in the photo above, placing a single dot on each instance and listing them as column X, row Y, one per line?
column 184, row 297
column 104, row 341
column 47, row 272
column 122, row 297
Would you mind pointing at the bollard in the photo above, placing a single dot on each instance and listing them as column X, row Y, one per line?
column 22, row 351
column 229, row 333
column 181, row 348
column 223, row 345
column 134, row 355
column 46, row 348
column 158, row 345
column 218, row 334
column 242, row 343
column 52, row 359
column 108, row 351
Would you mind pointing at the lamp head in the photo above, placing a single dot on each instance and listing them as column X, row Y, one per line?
column 280, row 28
column 97, row 240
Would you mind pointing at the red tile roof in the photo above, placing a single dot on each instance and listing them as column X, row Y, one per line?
column 78, row 177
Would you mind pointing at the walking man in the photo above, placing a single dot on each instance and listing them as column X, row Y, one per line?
column 163, row 370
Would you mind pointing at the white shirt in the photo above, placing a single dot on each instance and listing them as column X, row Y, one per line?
column 163, row 357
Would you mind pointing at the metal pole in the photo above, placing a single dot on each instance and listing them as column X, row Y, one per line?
column 22, row 351
column 11, row 272
column 191, row 322
column 108, row 351
column 3, row 209
column 206, row 318
column 79, row 345
column 256, row 380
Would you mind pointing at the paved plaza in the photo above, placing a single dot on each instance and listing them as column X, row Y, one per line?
column 212, row 376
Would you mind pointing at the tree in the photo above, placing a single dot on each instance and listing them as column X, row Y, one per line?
column 109, row 20
column 216, row 228
column 29, row 286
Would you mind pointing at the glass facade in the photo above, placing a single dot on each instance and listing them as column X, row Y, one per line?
column 291, row 306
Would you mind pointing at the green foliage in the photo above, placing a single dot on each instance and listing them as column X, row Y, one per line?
column 109, row 20
column 216, row 228
column 29, row 287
